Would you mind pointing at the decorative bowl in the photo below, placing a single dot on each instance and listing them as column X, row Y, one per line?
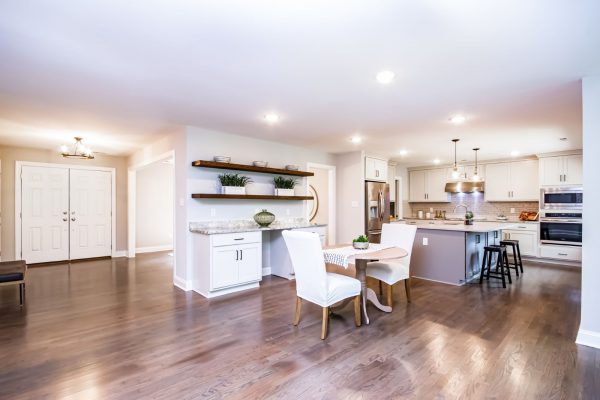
column 360, row 245
column 260, row 163
column 264, row 218
column 291, row 167
column 223, row 159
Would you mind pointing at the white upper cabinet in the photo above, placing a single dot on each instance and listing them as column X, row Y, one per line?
column 428, row 186
column 376, row 169
column 561, row 170
column 512, row 181
column 391, row 172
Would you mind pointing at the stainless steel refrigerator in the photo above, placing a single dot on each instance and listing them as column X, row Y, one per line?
column 377, row 203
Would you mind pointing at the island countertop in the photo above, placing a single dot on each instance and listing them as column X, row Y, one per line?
column 459, row 226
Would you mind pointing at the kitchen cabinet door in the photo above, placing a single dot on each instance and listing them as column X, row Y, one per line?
column 224, row 266
column 551, row 171
column 528, row 242
column 497, row 182
column 416, row 186
column 249, row 263
column 573, row 170
column 524, row 181
column 436, row 185
column 375, row 169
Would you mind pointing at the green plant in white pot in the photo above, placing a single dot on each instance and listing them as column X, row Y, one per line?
column 233, row 183
column 284, row 186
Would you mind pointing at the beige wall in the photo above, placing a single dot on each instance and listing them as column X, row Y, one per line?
column 9, row 156
column 154, row 207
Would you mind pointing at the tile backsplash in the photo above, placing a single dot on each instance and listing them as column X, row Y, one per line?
column 476, row 203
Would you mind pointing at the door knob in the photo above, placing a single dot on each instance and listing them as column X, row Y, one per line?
column 64, row 213
column 65, row 219
column 73, row 219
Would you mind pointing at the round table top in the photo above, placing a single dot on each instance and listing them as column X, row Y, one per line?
column 384, row 254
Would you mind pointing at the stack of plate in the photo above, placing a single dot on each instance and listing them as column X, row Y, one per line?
column 223, row 159
column 291, row 167
column 260, row 163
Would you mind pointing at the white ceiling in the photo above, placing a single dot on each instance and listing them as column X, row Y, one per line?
column 121, row 73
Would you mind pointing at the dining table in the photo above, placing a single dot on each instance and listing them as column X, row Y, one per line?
column 345, row 255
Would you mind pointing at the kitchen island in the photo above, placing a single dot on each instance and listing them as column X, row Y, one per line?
column 450, row 251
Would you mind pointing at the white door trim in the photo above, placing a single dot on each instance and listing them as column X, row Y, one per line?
column 331, row 223
column 131, row 201
column 18, row 169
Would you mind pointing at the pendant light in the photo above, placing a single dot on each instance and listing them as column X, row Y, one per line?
column 476, row 176
column 78, row 150
column 455, row 173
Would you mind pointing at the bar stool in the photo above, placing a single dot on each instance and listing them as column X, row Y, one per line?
column 502, row 268
column 516, row 250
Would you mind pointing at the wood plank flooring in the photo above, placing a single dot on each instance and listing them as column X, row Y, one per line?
column 118, row 329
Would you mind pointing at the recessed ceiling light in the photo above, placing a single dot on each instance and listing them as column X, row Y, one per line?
column 458, row 119
column 385, row 77
column 403, row 152
column 436, row 161
column 515, row 153
column 271, row 118
column 356, row 139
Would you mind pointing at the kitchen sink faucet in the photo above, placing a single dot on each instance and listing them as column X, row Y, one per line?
column 461, row 205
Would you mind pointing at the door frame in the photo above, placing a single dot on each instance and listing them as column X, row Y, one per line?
column 132, row 199
column 331, row 218
column 18, row 206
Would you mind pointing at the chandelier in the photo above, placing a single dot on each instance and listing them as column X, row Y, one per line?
column 78, row 150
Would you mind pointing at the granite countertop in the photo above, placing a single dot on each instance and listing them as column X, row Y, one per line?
column 458, row 226
column 220, row 227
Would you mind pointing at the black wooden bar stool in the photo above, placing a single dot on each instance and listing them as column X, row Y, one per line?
column 502, row 269
column 516, row 250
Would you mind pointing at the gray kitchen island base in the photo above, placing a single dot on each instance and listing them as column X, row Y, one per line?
column 449, row 256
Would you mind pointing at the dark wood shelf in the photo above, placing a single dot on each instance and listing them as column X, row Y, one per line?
column 248, row 197
column 249, row 168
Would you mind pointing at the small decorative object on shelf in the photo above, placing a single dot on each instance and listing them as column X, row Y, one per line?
column 264, row 218
column 233, row 183
column 361, row 243
column 469, row 218
column 223, row 159
column 260, row 163
column 284, row 186
column 291, row 167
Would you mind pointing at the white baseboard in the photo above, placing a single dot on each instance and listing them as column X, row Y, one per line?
column 181, row 283
column 153, row 249
column 119, row 253
column 588, row 338
column 266, row 271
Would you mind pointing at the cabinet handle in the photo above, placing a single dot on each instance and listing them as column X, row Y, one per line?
column 565, row 176
column 238, row 239
column 562, row 254
column 241, row 254
column 237, row 255
column 477, row 239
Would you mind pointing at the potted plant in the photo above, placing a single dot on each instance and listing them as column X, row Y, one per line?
column 361, row 242
column 284, row 186
column 233, row 183
column 469, row 218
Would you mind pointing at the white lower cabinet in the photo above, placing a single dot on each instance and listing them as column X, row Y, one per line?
column 567, row 253
column 527, row 236
column 226, row 263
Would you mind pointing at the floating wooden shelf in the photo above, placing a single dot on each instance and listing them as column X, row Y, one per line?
column 250, row 168
column 248, row 197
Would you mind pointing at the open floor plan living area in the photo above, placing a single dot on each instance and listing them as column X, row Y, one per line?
column 299, row 200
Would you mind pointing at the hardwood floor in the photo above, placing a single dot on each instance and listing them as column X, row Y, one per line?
column 118, row 329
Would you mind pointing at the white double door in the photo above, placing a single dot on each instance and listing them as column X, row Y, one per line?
column 65, row 213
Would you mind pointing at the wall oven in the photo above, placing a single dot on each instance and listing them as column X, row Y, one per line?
column 561, row 198
column 561, row 227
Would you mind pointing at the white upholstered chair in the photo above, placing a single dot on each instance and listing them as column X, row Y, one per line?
column 313, row 282
column 393, row 271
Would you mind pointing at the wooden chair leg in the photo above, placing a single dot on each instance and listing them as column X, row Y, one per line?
column 357, row 313
column 407, row 288
column 380, row 288
column 298, row 308
column 389, row 295
column 20, row 293
column 325, row 323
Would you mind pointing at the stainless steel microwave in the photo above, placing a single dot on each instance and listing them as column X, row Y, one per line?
column 561, row 198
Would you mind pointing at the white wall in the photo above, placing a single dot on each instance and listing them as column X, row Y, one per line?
column 589, row 329
column 203, row 144
column 350, row 197
column 154, row 207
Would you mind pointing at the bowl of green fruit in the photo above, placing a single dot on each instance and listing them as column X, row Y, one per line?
column 361, row 242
